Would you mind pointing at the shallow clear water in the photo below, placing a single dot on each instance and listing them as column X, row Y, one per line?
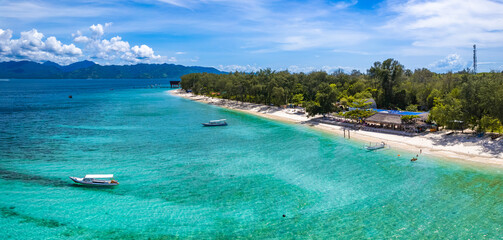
column 179, row 179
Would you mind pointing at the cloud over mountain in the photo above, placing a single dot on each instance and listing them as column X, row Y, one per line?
column 114, row 49
column 32, row 46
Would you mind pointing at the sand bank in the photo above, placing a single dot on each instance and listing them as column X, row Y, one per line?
column 459, row 147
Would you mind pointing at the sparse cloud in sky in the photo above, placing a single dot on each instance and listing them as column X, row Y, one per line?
column 239, row 68
column 278, row 34
column 449, row 23
column 452, row 62
column 328, row 69
column 292, row 68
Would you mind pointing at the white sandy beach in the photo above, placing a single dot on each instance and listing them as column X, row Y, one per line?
column 459, row 147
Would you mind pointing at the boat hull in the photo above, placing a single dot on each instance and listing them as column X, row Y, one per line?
column 374, row 148
column 214, row 125
column 94, row 183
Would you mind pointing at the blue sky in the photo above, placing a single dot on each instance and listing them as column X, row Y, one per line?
column 251, row 34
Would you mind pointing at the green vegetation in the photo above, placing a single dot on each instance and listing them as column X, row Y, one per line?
column 455, row 100
column 408, row 119
column 324, row 102
column 358, row 114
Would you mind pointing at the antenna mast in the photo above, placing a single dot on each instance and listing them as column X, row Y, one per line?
column 474, row 58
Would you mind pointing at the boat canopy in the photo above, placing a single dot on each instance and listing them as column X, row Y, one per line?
column 220, row 120
column 99, row 176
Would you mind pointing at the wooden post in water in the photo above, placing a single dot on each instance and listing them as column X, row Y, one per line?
column 349, row 135
column 344, row 130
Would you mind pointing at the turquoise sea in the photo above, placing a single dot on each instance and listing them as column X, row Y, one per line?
column 181, row 180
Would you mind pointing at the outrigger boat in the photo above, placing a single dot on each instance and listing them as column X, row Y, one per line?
column 377, row 146
column 214, row 123
column 96, row 180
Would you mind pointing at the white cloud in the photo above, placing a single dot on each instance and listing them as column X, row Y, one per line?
column 55, row 46
column 350, row 52
column 328, row 69
column 33, row 10
column 178, row 3
column 270, row 26
column 81, row 39
column 144, row 52
column 238, row 68
column 343, row 4
column 292, row 68
column 5, row 36
column 304, row 27
column 114, row 50
column 97, row 30
column 190, row 4
column 448, row 23
column 31, row 46
column 453, row 62
column 180, row 53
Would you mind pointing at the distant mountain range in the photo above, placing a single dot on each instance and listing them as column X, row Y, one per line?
column 88, row 69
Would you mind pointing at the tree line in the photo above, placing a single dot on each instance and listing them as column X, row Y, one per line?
column 454, row 100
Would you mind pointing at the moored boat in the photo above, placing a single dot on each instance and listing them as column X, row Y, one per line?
column 214, row 123
column 96, row 180
column 376, row 147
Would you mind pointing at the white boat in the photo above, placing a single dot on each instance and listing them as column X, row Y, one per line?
column 375, row 147
column 96, row 180
column 214, row 123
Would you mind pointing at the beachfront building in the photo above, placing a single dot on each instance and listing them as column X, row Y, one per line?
column 394, row 121
column 174, row 84
column 385, row 120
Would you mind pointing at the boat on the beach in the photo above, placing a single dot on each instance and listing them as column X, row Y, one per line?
column 376, row 147
column 96, row 180
column 214, row 123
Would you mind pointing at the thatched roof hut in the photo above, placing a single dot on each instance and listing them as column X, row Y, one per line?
column 385, row 118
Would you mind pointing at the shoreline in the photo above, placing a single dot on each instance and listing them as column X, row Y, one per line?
column 481, row 152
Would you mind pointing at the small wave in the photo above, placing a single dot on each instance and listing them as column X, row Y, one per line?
column 4, row 80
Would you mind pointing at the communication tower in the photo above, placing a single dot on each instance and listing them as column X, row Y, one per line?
column 474, row 58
